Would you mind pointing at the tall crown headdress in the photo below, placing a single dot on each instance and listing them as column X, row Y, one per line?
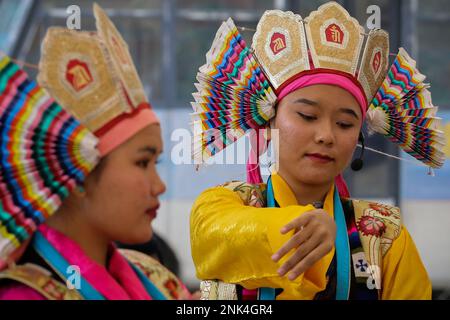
column 92, row 75
column 237, row 87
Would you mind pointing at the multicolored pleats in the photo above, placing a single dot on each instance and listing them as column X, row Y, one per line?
column 233, row 94
column 402, row 111
column 44, row 154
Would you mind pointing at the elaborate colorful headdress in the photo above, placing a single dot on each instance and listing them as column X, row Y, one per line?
column 48, row 147
column 92, row 75
column 238, row 87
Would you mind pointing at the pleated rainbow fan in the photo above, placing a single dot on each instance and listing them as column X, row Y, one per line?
column 402, row 111
column 44, row 154
column 233, row 95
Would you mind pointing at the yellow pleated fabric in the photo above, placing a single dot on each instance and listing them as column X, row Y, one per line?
column 233, row 242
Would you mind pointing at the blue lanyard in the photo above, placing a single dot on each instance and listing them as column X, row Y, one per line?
column 86, row 290
column 341, row 244
column 149, row 286
column 54, row 259
column 342, row 250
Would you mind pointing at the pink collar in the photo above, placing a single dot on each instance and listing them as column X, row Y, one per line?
column 117, row 282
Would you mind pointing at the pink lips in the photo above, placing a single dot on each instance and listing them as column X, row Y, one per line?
column 320, row 158
column 153, row 212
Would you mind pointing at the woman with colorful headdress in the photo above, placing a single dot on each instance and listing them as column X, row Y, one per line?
column 313, row 82
column 79, row 173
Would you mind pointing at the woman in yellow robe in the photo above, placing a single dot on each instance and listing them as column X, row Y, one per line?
column 300, row 236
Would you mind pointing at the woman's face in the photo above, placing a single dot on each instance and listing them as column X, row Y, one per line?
column 121, row 201
column 318, row 128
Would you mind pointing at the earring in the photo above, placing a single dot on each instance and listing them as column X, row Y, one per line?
column 358, row 163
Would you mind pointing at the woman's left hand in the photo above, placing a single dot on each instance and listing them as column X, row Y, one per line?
column 314, row 237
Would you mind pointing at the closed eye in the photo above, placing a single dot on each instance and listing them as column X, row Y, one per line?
column 307, row 117
column 345, row 125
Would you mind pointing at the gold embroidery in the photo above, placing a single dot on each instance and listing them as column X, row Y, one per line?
column 40, row 280
column 163, row 279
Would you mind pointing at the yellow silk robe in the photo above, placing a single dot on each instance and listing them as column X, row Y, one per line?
column 233, row 242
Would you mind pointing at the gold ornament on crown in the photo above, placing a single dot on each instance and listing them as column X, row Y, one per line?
column 91, row 74
column 329, row 38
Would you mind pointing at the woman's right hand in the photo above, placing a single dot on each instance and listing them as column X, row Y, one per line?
column 314, row 237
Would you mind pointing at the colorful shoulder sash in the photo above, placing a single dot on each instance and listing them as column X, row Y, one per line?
column 159, row 282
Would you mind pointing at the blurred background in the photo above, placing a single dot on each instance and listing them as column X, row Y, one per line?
column 168, row 41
